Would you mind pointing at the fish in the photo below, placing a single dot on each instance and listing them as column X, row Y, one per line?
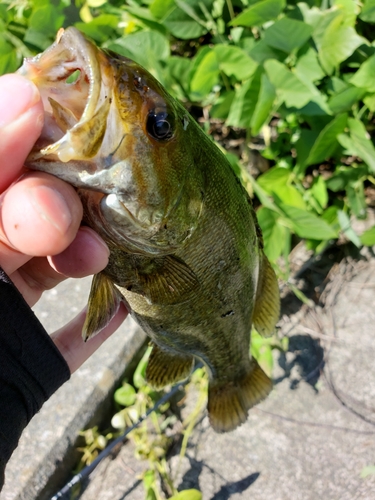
column 186, row 250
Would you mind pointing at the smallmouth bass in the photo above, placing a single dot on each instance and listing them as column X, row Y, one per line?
column 186, row 253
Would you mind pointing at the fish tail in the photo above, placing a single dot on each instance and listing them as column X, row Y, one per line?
column 228, row 403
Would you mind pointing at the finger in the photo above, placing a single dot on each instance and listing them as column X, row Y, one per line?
column 40, row 215
column 21, row 122
column 71, row 345
column 87, row 255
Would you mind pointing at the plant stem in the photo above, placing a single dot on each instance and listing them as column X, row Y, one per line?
column 230, row 8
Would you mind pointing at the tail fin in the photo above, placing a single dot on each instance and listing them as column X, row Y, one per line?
column 229, row 403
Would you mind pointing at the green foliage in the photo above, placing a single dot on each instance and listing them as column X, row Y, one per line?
column 293, row 81
column 297, row 77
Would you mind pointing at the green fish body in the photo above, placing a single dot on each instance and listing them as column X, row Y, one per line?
column 186, row 253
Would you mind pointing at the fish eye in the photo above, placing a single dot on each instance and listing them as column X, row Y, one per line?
column 160, row 125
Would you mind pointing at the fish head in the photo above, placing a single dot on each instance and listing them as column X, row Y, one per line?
column 113, row 132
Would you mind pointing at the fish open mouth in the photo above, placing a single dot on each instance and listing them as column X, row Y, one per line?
column 75, row 96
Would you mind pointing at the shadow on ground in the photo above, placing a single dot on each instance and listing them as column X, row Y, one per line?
column 191, row 480
column 303, row 361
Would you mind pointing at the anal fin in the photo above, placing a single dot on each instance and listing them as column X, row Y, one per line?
column 228, row 403
column 103, row 304
column 267, row 303
column 166, row 368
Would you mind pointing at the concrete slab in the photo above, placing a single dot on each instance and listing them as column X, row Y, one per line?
column 315, row 433
column 45, row 455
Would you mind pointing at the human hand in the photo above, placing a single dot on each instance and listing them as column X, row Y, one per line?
column 41, row 241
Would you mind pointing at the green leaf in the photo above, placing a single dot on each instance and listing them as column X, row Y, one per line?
column 245, row 101
column 147, row 48
column 260, row 52
column 365, row 76
column 358, row 143
column 356, row 199
column 274, row 233
column 346, row 99
column 125, row 395
column 187, row 495
column 222, row 105
column 47, row 20
column 277, row 181
column 287, row 34
column 368, row 238
column 37, row 38
column 319, row 19
column 349, row 8
column 368, row 11
column 101, row 28
column 205, row 76
column 261, row 350
column 337, row 44
column 234, row 61
column 184, row 21
column 309, row 66
column 344, row 176
column 347, row 228
column 264, row 105
column 259, row 13
column 303, row 146
column 9, row 58
column 161, row 8
column 179, row 69
column 306, row 224
column 326, row 143
column 370, row 102
column 139, row 377
column 319, row 191
column 289, row 87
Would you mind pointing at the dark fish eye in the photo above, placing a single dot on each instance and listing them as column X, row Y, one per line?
column 160, row 125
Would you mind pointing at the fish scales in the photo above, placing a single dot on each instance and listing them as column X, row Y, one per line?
column 186, row 252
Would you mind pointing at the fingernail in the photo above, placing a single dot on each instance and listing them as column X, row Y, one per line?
column 17, row 95
column 52, row 207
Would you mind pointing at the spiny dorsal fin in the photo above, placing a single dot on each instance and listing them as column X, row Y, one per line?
column 166, row 367
column 267, row 303
column 103, row 304
column 167, row 280
column 229, row 403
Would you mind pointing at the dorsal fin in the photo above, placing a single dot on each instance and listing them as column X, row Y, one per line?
column 267, row 303
column 104, row 301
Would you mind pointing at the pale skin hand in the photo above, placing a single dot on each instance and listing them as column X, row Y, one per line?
column 41, row 242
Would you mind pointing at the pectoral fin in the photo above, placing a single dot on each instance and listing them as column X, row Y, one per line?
column 167, row 280
column 103, row 304
column 166, row 368
column 267, row 304
column 228, row 403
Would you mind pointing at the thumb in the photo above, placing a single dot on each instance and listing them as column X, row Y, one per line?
column 21, row 121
